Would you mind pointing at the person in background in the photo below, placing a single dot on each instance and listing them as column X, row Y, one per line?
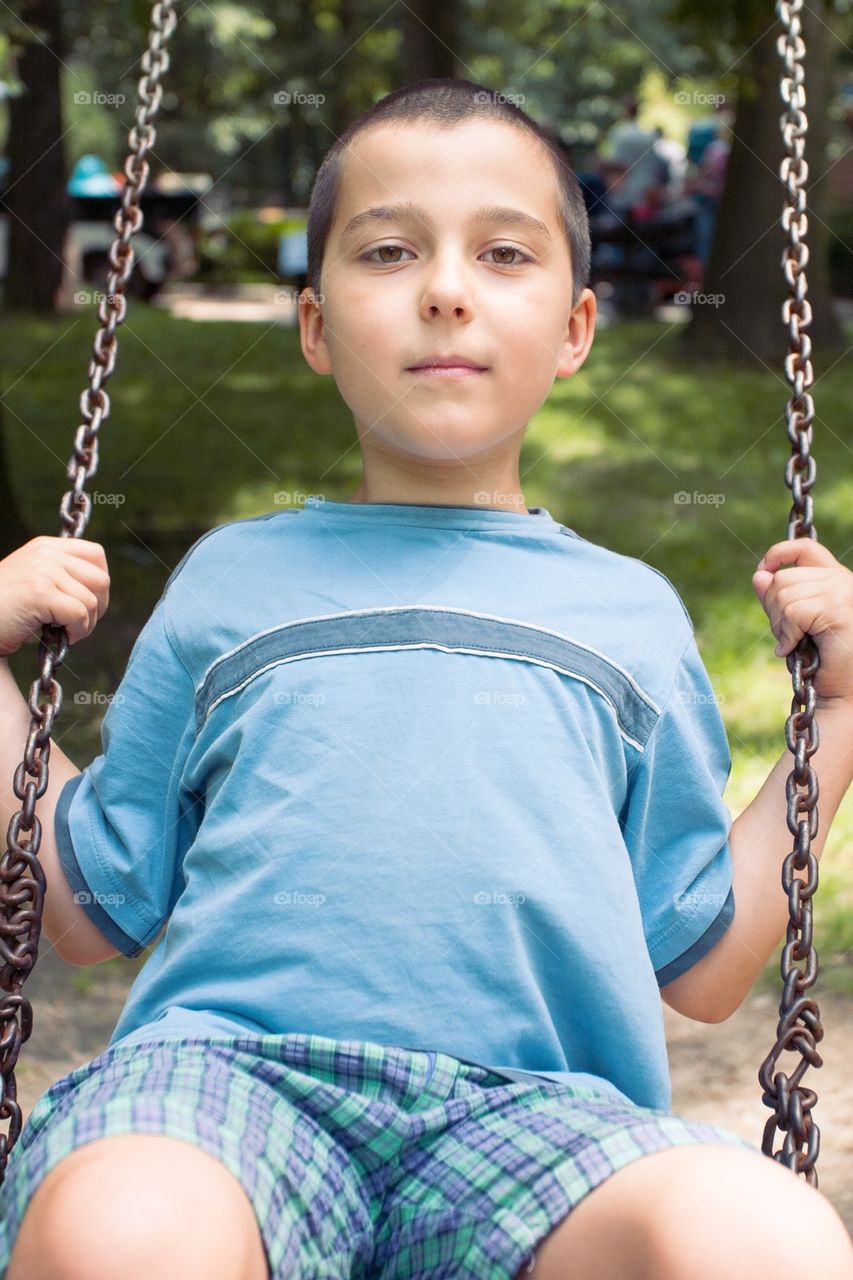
column 675, row 155
column 640, row 167
column 705, row 190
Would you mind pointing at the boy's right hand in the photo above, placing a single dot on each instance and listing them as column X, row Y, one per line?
column 64, row 581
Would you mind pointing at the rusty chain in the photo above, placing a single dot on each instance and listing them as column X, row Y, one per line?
column 799, row 1028
column 22, row 880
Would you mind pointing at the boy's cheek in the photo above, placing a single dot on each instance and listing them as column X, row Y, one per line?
column 354, row 321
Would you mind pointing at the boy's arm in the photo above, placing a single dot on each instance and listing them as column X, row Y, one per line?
column 69, row 930
column 760, row 841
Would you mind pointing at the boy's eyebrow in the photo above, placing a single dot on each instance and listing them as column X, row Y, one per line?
column 484, row 216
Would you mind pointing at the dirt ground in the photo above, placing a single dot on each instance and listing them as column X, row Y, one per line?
column 714, row 1067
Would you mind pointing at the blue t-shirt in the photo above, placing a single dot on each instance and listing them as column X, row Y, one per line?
column 446, row 778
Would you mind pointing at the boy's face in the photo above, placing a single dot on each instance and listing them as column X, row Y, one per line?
column 497, row 292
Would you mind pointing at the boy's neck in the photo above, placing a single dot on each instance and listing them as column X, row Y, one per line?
column 514, row 500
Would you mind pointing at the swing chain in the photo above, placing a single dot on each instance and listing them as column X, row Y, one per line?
column 799, row 1026
column 22, row 879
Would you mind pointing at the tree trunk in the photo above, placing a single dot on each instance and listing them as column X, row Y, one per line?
column 36, row 197
column 13, row 530
column 429, row 37
column 745, row 265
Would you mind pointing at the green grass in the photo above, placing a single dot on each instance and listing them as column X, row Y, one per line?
column 606, row 454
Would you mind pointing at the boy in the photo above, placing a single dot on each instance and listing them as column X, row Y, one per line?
column 431, row 826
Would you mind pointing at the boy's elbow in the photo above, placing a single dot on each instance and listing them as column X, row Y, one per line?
column 696, row 995
column 715, row 987
column 717, row 1013
column 86, row 959
column 83, row 954
column 702, row 1005
column 696, row 1010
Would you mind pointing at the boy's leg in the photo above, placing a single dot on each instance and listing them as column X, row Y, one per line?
column 696, row 1212
column 139, row 1206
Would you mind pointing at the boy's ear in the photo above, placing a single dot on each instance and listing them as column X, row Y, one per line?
column 580, row 332
column 312, row 334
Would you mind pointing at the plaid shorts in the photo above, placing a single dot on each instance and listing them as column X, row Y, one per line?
column 361, row 1160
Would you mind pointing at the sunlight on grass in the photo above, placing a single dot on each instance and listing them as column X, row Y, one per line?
column 253, row 499
column 557, row 440
column 835, row 497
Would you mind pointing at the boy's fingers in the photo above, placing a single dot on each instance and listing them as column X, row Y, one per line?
column 797, row 551
column 88, row 550
column 81, row 547
column 92, row 575
column 769, row 586
column 69, row 588
column 84, row 578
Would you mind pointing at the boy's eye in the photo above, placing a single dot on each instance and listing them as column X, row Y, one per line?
column 368, row 256
column 508, row 248
column 380, row 248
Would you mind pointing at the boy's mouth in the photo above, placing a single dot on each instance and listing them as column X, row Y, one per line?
column 451, row 366
column 448, row 371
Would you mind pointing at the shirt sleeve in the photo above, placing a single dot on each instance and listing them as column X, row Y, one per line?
column 124, row 823
column 676, row 825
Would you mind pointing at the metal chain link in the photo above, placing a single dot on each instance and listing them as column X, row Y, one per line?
column 799, row 1026
column 22, row 880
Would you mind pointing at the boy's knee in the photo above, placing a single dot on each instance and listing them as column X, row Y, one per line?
column 137, row 1206
column 725, row 1211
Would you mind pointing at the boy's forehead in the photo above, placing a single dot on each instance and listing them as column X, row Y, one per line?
column 420, row 163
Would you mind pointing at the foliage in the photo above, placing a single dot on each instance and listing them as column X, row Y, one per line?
column 247, row 250
column 572, row 61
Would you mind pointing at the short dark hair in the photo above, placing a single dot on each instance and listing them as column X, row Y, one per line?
column 446, row 102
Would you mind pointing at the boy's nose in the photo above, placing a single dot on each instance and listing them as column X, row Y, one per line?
column 448, row 290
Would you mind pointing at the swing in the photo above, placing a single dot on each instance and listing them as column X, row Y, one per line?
column 22, row 880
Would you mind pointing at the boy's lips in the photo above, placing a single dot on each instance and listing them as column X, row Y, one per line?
column 451, row 366
column 448, row 362
column 448, row 371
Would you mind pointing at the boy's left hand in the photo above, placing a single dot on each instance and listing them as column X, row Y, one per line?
column 814, row 596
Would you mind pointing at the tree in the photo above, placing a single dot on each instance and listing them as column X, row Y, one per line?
column 429, row 40
column 35, row 199
column 745, row 264
column 13, row 528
